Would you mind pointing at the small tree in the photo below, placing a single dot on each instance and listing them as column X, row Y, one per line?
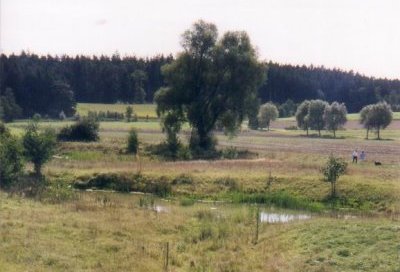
column 334, row 168
column 364, row 118
column 133, row 141
column 128, row 113
column 316, row 111
column 268, row 112
column 335, row 116
column 172, row 124
column 377, row 117
column 11, row 158
column 302, row 115
column 38, row 146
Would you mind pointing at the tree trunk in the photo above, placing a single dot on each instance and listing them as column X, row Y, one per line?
column 379, row 137
column 38, row 169
column 367, row 132
column 319, row 132
column 307, row 131
column 333, row 189
column 334, row 133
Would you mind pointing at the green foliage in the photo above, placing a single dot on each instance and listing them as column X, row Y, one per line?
column 302, row 115
column 171, row 123
column 9, row 109
column 230, row 153
column 38, row 145
column 209, row 79
column 57, row 191
column 128, row 113
column 287, row 109
column 106, row 115
column 139, row 78
column 333, row 169
column 315, row 115
column 377, row 117
column 62, row 99
column 133, row 142
column 268, row 112
column 253, row 105
column 11, row 158
column 125, row 183
column 85, row 129
column 335, row 116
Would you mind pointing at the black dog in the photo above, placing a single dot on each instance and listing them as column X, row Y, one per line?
column 378, row 163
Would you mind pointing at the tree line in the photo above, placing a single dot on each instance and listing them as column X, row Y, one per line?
column 49, row 85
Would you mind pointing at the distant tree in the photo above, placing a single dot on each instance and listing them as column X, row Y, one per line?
column 128, row 113
column 302, row 115
column 62, row 99
column 11, row 158
column 9, row 110
column 316, row 111
column 208, row 79
column 365, row 115
column 133, row 141
column 377, row 116
column 268, row 112
column 333, row 169
column 335, row 116
column 139, row 78
column 287, row 109
column 253, row 106
column 38, row 146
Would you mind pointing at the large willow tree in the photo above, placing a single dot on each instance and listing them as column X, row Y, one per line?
column 211, row 80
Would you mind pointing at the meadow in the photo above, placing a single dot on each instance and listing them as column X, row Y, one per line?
column 209, row 216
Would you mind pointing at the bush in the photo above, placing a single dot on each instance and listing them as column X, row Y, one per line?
column 86, row 130
column 125, row 183
column 133, row 142
column 11, row 159
column 230, row 153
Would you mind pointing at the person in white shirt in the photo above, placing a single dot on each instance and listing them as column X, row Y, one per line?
column 355, row 156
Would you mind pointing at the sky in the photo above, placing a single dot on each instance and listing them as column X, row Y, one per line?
column 358, row 35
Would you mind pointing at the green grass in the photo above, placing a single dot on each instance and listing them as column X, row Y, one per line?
column 142, row 110
column 121, row 232
column 106, row 232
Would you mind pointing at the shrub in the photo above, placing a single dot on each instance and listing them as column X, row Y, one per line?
column 230, row 153
column 133, row 142
column 125, row 183
column 86, row 130
column 11, row 159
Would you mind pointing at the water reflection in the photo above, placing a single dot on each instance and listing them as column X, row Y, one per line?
column 282, row 217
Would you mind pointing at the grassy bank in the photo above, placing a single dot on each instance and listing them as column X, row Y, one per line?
column 114, row 232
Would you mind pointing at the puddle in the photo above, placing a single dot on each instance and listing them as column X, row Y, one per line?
column 267, row 217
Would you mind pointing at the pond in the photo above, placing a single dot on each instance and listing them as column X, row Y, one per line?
column 273, row 217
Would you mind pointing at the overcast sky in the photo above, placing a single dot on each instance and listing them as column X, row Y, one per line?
column 363, row 35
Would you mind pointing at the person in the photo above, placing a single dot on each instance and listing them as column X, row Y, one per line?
column 355, row 156
column 362, row 156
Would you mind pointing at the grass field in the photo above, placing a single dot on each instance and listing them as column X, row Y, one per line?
column 122, row 232
column 141, row 110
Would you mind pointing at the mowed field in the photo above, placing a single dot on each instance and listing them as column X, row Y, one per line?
column 123, row 232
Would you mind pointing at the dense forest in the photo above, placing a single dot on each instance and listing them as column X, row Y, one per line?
column 47, row 85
